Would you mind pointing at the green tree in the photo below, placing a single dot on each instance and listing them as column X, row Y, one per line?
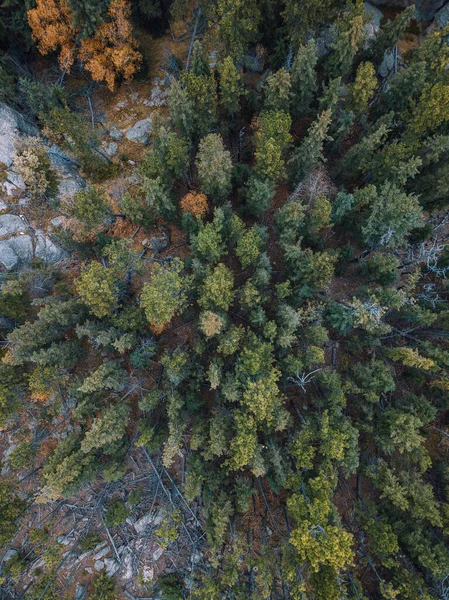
column 362, row 90
column 158, row 198
column 256, row 196
column 97, row 288
column 214, row 167
column 230, row 86
column 278, row 91
column 165, row 295
column 237, row 24
column 90, row 208
column 350, row 35
column 217, row 291
column 304, row 78
column 308, row 154
column 391, row 214
column 248, row 246
column 272, row 137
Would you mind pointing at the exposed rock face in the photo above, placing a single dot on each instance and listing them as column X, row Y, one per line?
column 375, row 17
column 442, row 17
column 19, row 251
column 426, row 9
column 13, row 127
column 140, row 131
column 11, row 224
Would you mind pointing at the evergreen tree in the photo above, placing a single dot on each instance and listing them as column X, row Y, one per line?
column 214, row 167
column 278, row 91
column 308, row 154
column 230, row 86
column 304, row 78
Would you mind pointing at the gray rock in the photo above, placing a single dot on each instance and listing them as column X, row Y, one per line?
column 442, row 17
column 12, row 126
column 157, row 554
column 102, row 553
column 146, row 520
column 99, row 565
column 139, row 131
column 47, row 251
column 386, row 67
column 126, row 571
column 10, row 225
column 100, row 546
column 70, row 181
column 9, row 555
column 426, row 9
column 375, row 16
column 111, row 566
column 16, row 252
column 115, row 134
column 80, row 591
column 111, row 149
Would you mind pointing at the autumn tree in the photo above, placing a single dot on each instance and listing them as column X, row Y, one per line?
column 195, row 203
column 52, row 29
column 111, row 52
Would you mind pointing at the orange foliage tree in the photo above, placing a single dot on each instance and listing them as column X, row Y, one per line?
column 52, row 28
column 110, row 53
column 195, row 204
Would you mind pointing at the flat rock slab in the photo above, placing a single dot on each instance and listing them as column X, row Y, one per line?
column 140, row 131
column 16, row 252
column 10, row 225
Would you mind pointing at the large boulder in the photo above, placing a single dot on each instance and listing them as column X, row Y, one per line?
column 140, row 131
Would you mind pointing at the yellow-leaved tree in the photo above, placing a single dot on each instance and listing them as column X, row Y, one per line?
column 108, row 54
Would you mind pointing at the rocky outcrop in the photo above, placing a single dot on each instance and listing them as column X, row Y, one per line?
column 13, row 128
column 426, row 9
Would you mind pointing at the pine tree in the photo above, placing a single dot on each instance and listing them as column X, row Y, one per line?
column 349, row 39
column 165, row 295
column 304, row 78
column 308, row 154
column 272, row 137
column 362, row 90
column 96, row 286
column 214, row 167
column 230, row 86
column 237, row 22
column 278, row 91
